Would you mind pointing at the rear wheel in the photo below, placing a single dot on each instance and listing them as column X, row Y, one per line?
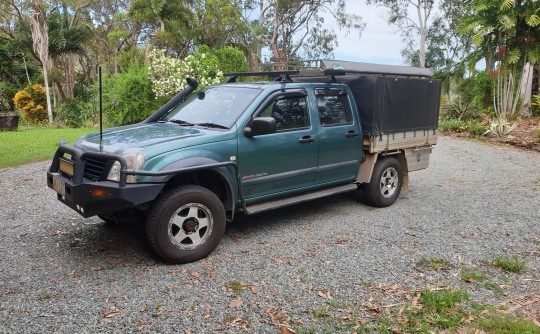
column 185, row 224
column 385, row 184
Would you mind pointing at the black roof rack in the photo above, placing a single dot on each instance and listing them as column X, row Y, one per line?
column 332, row 68
column 279, row 75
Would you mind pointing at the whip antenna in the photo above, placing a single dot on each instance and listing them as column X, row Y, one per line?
column 100, row 113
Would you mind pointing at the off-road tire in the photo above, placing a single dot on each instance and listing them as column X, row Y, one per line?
column 174, row 221
column 385, row 184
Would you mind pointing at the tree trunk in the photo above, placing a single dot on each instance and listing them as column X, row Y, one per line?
column 538, row 77
column 49, row 107
column 487, row 93
column 525, row 90
column 422, row 30
column 275, row 33
column 69, row 72
column 60, row 90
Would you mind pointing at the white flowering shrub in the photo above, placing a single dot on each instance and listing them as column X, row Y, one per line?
column 168, row 74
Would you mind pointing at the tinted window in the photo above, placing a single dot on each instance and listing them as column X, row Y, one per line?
column 289, row 112
column 334, row 108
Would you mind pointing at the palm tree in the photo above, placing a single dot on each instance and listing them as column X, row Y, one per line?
column 507, row 32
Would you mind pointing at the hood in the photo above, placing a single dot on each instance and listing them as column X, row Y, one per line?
column 145, row 136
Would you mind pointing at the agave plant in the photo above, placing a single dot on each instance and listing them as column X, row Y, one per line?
column 500, row 127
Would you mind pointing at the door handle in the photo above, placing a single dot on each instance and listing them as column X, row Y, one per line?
column 306, row 140
column 351, row 134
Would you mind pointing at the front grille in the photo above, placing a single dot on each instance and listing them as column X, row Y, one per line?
column 95, row 169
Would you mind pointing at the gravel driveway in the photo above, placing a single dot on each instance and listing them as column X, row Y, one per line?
column 64, row 274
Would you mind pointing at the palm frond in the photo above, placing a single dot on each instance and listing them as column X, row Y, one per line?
column 507, row 22
column 533, row 20
column 507, row 4
column 514, row 56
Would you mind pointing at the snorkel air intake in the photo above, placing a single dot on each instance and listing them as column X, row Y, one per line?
column 193, row 84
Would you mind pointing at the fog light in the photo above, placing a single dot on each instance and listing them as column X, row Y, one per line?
column 97, row 192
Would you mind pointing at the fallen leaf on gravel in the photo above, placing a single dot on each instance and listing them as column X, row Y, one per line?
column 236, row 303
column 210, row 265
column 98, row 267
column 207, row 313
column 283, row 329
column 276, row 315
column 237, row 322
column 323, row 294
column 253, row 290
column 176, row 271
column 187, row 331
column 112, row 313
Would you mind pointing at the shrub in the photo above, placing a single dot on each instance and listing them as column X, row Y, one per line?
column 473, row 89
column 459, row 108
column 128, row 57
column 7, row 92
column 472, row 127
column 128, row 97
column 535, row 104
column 168, row 74
column 32, row 101
column 78, row 113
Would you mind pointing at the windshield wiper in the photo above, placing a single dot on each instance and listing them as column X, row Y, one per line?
column 212, row 125
column 181, row 122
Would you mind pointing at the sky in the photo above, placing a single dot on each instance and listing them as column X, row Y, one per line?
column 379, row 42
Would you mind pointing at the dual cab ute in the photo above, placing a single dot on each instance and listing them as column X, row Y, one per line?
column 253, row 147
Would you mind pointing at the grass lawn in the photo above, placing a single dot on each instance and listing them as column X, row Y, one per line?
column 30, row 144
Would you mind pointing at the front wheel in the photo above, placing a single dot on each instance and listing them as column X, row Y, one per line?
column 185, row 224
column 385, row 185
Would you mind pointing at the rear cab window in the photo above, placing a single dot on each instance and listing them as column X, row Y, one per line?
column 334, row 107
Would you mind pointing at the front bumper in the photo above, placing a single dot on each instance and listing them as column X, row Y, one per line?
column 94, row 197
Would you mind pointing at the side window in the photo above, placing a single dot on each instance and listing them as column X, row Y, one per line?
column 290, row 113
column 334, row 107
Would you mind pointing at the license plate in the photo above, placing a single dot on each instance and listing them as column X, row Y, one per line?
column 59, row 186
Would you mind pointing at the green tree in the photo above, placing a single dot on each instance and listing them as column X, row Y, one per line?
column 507, row 32
column 296, row 27
column 165, row 24
column 230, row 59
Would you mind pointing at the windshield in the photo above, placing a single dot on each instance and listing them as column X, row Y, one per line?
column 218, row 107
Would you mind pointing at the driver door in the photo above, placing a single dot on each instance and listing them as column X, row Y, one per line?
column 284, row 161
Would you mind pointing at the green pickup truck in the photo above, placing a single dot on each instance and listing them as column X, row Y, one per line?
column 251, row 147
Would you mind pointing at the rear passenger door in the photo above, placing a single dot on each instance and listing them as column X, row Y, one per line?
column 340, row 140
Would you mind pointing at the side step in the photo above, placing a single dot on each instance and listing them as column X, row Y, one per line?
column 282, row 202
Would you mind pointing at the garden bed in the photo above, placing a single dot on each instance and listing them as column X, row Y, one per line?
column 524, row 136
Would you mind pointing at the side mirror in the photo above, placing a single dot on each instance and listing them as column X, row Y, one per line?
column 261, row 126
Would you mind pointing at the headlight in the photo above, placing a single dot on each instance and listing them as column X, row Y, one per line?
column 135, row 160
